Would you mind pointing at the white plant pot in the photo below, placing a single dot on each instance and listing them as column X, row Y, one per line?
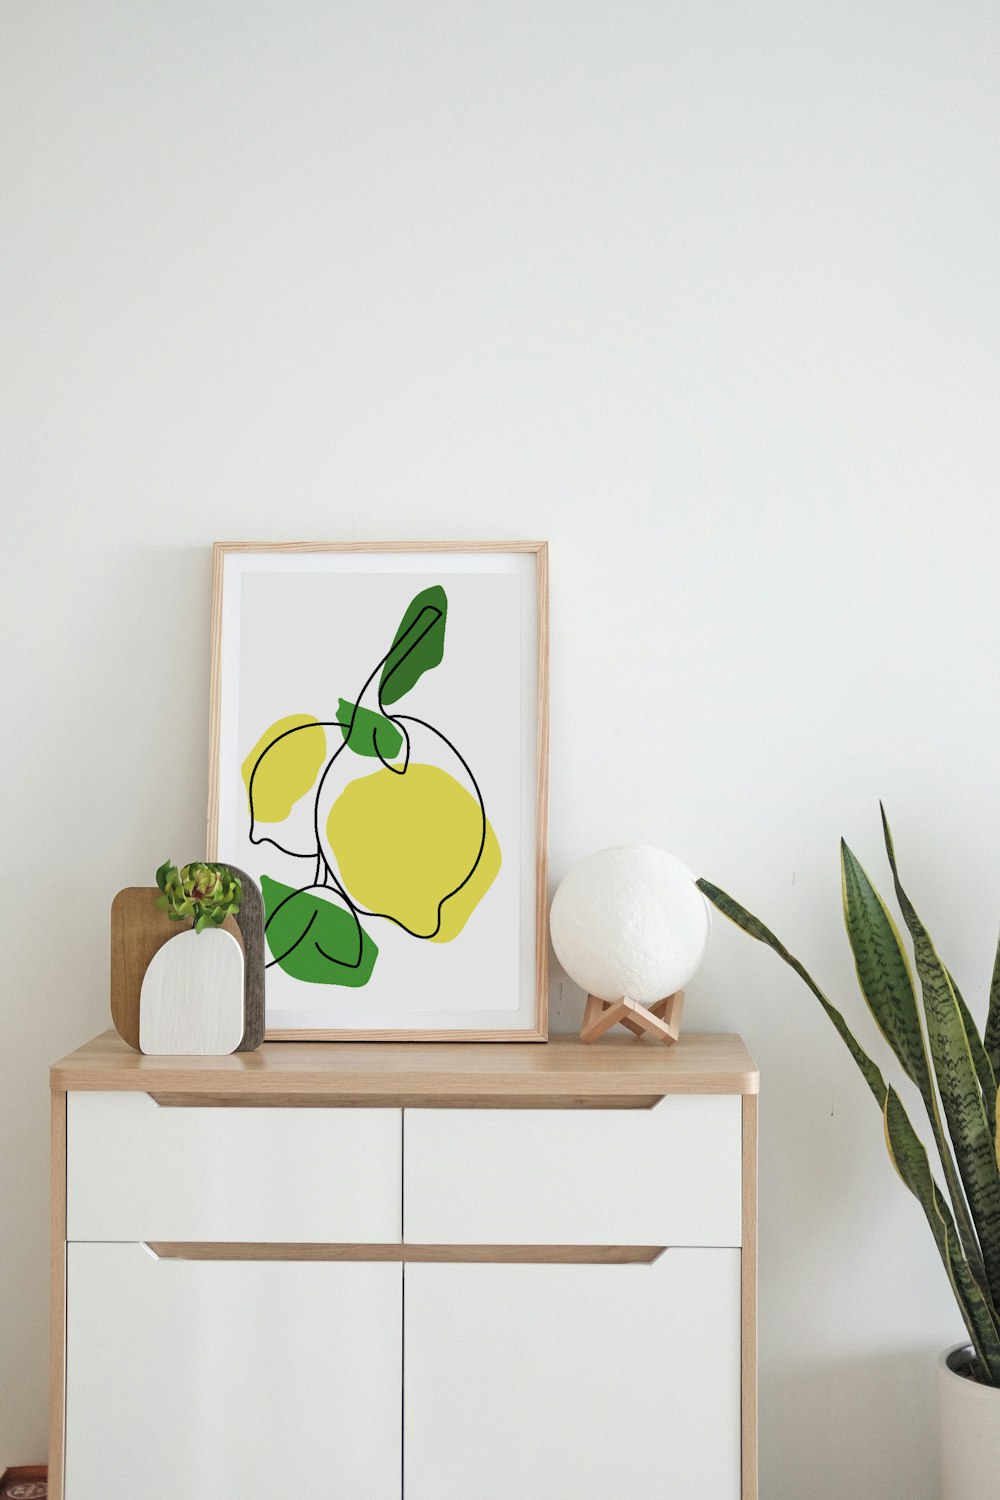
column 969, row 1431
column 191, row 1000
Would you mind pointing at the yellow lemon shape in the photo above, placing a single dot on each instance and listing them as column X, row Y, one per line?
column 286, row 766
column 403, row 843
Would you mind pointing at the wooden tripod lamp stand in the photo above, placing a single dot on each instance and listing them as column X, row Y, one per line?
column 661, row 1020
column 629, row 922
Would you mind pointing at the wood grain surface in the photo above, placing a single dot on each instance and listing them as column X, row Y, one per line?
column 512, row 1255
column 700, row 1063
column 139, row 929
column 406, row 1101
column 250, row 921
column 57, row 1295
column 192, row 996
column 748, row 1301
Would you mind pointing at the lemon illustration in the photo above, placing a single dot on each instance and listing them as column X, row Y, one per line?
column 407, row 841
column 282, row 766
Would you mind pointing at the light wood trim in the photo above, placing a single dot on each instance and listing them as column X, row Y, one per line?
column 57, row 1332
column 633, row 1026
column 219, row 551
column 657, row 1026
column 536, row 1255
column 619, row 1067
column 528, row 1255
column 541, row 550
column 593, row 1009
column 269, row 1250
column 403, row 1101
column 748, row 1300
column 661, row 1020
column 380, row 546
column 277, row 1034
column 606, row 1017
column 539, row 1033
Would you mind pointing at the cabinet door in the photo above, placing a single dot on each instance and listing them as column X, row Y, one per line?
column 245, row 1379
column 574, row 1382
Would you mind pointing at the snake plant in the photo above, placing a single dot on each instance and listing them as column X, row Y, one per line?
column 954, row 1069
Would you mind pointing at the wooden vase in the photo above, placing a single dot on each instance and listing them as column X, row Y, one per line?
column 191, row 1002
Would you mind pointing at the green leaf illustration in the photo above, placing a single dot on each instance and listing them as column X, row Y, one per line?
column 418, row 645
column 368, row 733
column 314, row 940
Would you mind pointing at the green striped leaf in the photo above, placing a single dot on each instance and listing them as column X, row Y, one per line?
column 887, row 985
column 957, row 1083
column 909, row 1157
column 980, row 1060
column 754, row 928
column 991, row 1038
column 883, row 970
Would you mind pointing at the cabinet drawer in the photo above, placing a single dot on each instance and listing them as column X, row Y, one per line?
column 670, row 1175
column 137, row 1170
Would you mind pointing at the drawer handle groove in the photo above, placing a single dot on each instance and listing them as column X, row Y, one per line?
column 529, row 1255
column 406, row 1101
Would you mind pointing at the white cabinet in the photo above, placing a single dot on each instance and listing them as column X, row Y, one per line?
column 370, row 1272
column 574, row 1382
column 244, row 1379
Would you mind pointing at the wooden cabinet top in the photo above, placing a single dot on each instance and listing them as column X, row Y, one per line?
column 618, row 1070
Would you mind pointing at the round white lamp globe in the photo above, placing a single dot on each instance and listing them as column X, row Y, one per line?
column 630, row 921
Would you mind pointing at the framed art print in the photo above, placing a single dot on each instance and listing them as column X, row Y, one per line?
column 379, row 737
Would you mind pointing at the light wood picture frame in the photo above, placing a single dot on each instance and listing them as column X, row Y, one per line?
column 401, row 847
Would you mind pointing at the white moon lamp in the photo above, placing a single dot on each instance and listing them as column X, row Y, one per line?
column 631, row 927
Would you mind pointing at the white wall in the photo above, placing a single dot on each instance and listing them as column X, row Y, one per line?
column 705, row 293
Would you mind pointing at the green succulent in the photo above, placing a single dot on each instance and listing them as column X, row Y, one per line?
column 203, row 893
